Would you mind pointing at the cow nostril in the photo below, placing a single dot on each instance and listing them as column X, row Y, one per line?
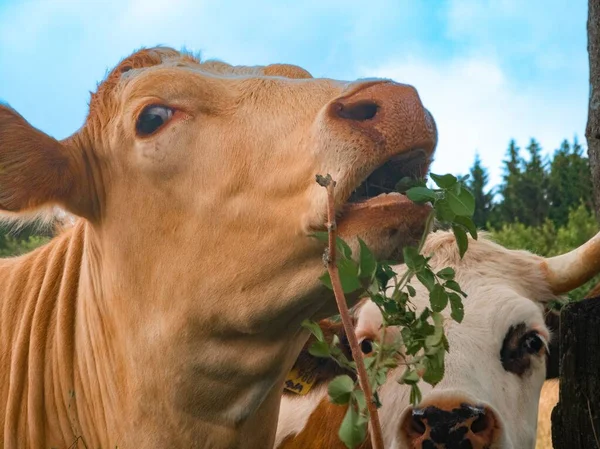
column 480, row 424
column 417, row 425
column 359, row 111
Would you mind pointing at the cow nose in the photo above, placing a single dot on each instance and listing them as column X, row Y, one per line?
column 465, row 426
column 391, row 114
column 360, row 110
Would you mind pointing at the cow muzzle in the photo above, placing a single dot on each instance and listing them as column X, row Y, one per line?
column 397, row 137
column 450, row 425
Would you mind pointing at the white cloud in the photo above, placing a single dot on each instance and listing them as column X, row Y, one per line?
column 478, row 108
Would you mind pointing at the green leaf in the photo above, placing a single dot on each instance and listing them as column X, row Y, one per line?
column 462, row 204
column 361, row 401
column 348, row 271
column 453, row 285
column 314, row 329
column 409, row 377
column 438, row 298
column 353, row 430
column 461, row 239
column 456, row 305
column 467, row 222
column 434, row 367
column 427, row 278
column 319, row 349
column 444, row 181
column 445, row 343
column 326, row 280
column 443, row 211
column 446, row 273
column 343, row 248
column 383, row 274
column 411, row 290
column 408, row 182
column 434, row 340
column 420, row 195
column 368, row 264
column 391, row 307
column 368, row 361
column 413, row 260
column 340, row 389
column 322, row 236
column 415, row 395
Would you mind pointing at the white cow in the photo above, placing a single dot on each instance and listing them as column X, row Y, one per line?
column 495, row 369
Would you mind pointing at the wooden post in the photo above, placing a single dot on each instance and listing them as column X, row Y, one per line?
column 576, row 417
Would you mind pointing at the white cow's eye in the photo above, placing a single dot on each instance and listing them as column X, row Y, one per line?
column 533, row 343
column 152, row 118
column 366, row 346
column 520, row 347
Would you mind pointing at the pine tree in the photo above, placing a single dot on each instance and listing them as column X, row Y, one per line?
column 510, row 208
column 570, row 182
column 483, row 199
column 532, row 188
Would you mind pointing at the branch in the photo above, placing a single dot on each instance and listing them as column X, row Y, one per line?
column 357, row 355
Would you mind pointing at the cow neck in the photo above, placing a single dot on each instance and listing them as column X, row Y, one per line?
column 47, row 337
column 118, row 373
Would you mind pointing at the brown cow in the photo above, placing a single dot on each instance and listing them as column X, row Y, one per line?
column 169, row 315
column 494, row 371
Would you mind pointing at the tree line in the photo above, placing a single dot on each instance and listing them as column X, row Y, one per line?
column 543, row 204
column 534, row 188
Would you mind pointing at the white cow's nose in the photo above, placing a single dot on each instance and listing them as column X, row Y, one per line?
column 450, row 424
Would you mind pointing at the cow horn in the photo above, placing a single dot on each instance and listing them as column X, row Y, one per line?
column 573, row 269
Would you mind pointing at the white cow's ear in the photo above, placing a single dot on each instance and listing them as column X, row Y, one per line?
column 36, row 170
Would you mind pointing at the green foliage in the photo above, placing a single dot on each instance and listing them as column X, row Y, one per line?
column 533, row 190
column 483, row 199
column 569, row 182
column 533, row 187
column 549, row 240
column 12, row 246
column 510, row 209
column 424, row 345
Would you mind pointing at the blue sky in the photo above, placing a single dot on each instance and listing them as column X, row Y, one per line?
column 489, row 71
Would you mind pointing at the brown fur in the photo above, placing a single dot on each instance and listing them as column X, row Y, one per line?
column 320, row 430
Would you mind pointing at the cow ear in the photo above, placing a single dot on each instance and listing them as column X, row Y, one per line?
column 36, row 170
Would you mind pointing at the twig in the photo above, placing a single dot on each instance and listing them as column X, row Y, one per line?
column 363, row 379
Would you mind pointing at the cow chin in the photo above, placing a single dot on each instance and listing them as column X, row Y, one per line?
column 386, row 223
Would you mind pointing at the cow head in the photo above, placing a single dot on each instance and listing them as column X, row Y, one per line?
column 496, row 366
column 196, row 187
column 217, row 157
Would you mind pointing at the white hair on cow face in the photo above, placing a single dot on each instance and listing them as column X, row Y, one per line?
column 497, row 354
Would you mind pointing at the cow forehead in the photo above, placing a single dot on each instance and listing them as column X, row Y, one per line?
column 127, row 69
column 504, row 287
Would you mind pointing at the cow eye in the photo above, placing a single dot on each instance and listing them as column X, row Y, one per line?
column 519, row 348
column 366, row 346
column 532, row 343
column 152, row 118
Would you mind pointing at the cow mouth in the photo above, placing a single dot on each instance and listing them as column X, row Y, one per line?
column 412, row 164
